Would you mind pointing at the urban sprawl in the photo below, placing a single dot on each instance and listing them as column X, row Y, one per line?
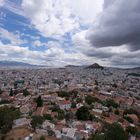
column 71, row 103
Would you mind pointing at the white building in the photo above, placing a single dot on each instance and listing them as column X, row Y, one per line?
column 21, row 122
column 65, row 105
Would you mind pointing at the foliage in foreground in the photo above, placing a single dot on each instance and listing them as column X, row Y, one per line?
column 7, row 115
column 112, row 132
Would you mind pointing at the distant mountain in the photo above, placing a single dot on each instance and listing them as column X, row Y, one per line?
column 136, row 68
column 95, row 66
column 15, row 64
column 71, row 66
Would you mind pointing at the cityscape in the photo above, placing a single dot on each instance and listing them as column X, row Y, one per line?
column 69, row 70
column 72, row 102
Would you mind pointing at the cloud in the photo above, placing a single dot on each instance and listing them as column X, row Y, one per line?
column 126, row 62
column 14, row 39
column 81, row 35
column 51, row 17
column 117, row 25
column 13, row 6
column 38, row 43
column 2, row 15
column 108, row 56
column 84, row 46
column 54, row 56
column 83, row 8
column 1, row 3
column 57, row 17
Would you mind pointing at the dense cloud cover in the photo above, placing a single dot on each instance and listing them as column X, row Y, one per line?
column 118, row 24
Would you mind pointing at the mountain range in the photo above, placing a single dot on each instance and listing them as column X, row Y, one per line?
column 11, row 64
column 15, row 64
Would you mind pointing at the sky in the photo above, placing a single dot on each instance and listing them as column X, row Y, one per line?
column 56, row 33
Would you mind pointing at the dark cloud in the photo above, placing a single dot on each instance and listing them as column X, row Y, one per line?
column 98, row 53
column 107, row 3
column 125, row 62
column 118, row 24
column 129, row 59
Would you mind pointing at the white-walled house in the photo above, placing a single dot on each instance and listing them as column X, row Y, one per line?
column 65, row 105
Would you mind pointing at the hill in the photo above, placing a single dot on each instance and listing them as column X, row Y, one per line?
column 95, row 66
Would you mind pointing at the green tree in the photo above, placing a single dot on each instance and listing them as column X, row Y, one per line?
column 90, row 99
column 133, row 131
column 1, row 91
column 97, row 137
column 74, row 93
column 131, row 111
column 63, row 94
column 4, row 102
column 47, row 117
column 37, row 121
column 128, row 118
column 114, row 85
column 42, row 138
column 26, row 92
column 112, row 103
column 11, row 92
column 115, row 132
column 96, row 82
column 61, row 115
column 73, row 105
column 7, row 115
column 79, row 100
column 39, row 102
column 83, row 113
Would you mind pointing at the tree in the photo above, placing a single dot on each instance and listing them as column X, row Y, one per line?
column 61, row 114
column 117, row 112
column 133, row 131
column 79, row 100
column 73, row 105
column 47, row 117
column 128, row 118
column 96, row 82
column 83, row 113
column 74, row 93
column 26, row 92
column 7, row 115
column 42, row 138
column 39, row 102
column 1, row 91
column 4, row 102
column 63, row 94
column 37, row 121
column 96, row 88
column 90, row 99
column 97, row 137
column 59, row 82
column 15, row 85
column 11, row 92
column 114, row 85
column 131, row 111
column 112, row 103
column 115, row 132
column 55, row 108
